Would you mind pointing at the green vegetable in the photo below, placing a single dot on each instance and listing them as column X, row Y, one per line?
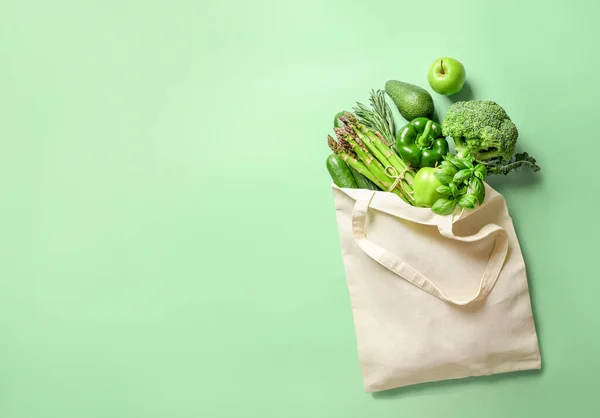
column 480, row 128
column 412, row 101
column 350, row 158
column 446, row 172
column 384, row 158
column 381, row 151
column 339, row 172
column 379, row 118
column 523, row 159
column 366, row 152
column 425, row 187
column 363, row 182
column 336, row 119
column 483, row 129
column 461, row 183
column 421, row 143
column 444, row 206
column 373, row 165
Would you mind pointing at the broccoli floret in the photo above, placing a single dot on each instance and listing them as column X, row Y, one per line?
column 482, row 129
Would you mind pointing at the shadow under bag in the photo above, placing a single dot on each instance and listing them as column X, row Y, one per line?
column 434, row 297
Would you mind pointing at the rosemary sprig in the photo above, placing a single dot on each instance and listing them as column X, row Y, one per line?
column 377, row 118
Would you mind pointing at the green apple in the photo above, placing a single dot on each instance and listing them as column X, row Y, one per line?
column 446, row 76
column 425, row 184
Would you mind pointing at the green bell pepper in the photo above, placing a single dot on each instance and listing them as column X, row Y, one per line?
column 421, row 143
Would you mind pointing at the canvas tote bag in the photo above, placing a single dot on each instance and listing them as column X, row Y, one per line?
column 434, row 297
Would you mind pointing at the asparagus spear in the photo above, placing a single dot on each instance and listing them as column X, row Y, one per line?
column 385, row 182
column 376, row 152
column 361, row 132
column 377, row 141
column 354, row 144
column 347, row 143
column 353, row 162
column 383, row 153
column 351, row 136
column 388, row 157
column 398, row 163
column 408, row 174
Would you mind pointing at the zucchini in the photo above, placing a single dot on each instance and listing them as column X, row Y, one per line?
column 340, row 172
column 362, row 182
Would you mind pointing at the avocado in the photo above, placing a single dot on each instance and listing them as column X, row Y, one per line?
column 412, row 101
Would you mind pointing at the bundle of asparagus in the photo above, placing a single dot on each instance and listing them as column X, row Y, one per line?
column 366, row 152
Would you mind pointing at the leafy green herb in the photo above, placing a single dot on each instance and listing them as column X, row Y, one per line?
column 462, row 175
column 444, row 206
column 445, row 173
column 447, row 164
column 454, row 190
column 444, row 190
column 462, row 184
column 459, row 163
column 481, row 170
column 467, row 201
column 379, row 118
column 478, row 189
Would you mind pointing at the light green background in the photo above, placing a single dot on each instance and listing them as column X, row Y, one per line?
column 169, row 246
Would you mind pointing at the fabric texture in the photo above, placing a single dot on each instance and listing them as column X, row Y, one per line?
column 434, row 297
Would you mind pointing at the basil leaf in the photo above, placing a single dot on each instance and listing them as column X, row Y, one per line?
column 478, row 189
column 481, row 169
column 443, row 190
column 443, row 178
column 479, row 175
column 446, row 163
column 469, row 162
column 450, row 159
column 467, row 201
column 453, row 190
column 462, row 175
column 445, row 174
column 458, row 162
column 444, row 206
column 449, row 166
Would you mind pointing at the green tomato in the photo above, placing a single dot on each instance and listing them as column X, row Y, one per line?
column 424, row 187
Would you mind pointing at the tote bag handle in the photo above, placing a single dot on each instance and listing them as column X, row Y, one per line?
column 408, row 273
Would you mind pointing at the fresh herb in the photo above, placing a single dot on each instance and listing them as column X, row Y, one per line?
column 379, row 118
column 478, row 188
column 444, row 206
column 446, row 171
column 467, row 201
column 462, row 184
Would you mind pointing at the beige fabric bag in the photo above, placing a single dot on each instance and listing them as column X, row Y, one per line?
column 434, row 297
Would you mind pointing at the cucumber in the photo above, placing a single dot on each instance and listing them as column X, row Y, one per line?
column 362, row 182
column 340, row 172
